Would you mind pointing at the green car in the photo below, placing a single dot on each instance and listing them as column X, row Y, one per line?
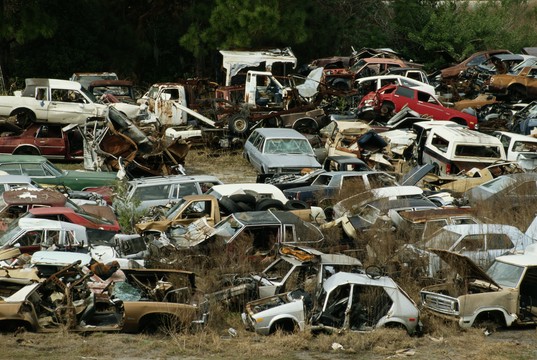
column 44, row 172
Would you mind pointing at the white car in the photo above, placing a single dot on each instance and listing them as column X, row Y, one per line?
column 348, row 301
column 374, row 83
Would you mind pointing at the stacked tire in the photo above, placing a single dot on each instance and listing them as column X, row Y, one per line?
column 247, row 202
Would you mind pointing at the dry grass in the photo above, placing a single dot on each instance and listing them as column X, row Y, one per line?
column 441, row 340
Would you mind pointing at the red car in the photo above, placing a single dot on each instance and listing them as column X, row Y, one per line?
column 70, row 215
column 390, row 99
column 49, row 140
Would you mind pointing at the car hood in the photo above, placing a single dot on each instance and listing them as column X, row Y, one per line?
column 292, row 160
column 464, row 266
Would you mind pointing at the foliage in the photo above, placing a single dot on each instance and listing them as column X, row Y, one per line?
column 126, row 210
column 161, row 40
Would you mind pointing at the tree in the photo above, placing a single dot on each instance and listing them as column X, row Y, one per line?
column 22, row 21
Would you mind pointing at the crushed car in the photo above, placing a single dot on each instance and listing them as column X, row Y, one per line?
column 347, row 302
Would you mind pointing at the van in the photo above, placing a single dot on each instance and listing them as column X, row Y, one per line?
column 455, row 149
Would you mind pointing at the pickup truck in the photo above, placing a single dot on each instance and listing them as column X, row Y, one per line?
column 504, row 295
column 49, row 140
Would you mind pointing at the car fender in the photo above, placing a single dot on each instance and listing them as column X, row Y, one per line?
column 468, row 321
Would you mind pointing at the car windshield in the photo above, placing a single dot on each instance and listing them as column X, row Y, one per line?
column 172, row 213
column 11, row 233
column 369, row 214
column 88, row 94
column 443, row 239
column 287, row 146
column 53, row 169
column 226, row 229
column 505, row 275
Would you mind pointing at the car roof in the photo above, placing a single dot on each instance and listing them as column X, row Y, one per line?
column 279, row 133
column 34, row 196
column 36, row 223
column 517, row 136
column 462, row 134
column 10, row 179
column 4, row 158
column 152, row 180
column 342, row 278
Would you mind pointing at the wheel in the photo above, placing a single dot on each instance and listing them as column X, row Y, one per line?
column 306, row 126
column 26, row 150
column 24, row 117
column 387, row 109
column 244, row 206
column 516, row 93
column 239, row 125
column 272, row 204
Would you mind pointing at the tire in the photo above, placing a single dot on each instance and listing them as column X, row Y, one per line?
column 24, row 117
column 229, row 205
column 239, row 125
column 387, row 109
column 296, row 205
column 244, row 198
column 26, row 150
column 244, row 206
column 266, row 204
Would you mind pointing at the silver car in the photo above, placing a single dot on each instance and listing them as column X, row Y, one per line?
column 276, row 150
column 352, row 301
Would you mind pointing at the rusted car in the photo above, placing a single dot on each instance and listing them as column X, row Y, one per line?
column 473, row 60
column 49, row 140
column 74, row 300
column 518, row 87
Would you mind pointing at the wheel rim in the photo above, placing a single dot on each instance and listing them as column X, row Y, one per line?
column 240, row 124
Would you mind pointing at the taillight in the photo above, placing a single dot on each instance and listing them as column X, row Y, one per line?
column 448, row 168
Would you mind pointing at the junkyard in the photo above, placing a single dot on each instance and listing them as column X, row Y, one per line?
column 372, row 199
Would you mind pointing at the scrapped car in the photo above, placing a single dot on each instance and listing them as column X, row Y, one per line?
column 473, row 60
column 295, row 267
column 511, row 192
column 113, row 90
column 504, row 295
column 390, row 99
column 329, row 185
column 86, row 78
column 72, row 300
column 519, row 148
column 250, row 232
column 480, row 242
column 368, row 84
column 347, row 301
column 455, row 149
column 521, row 86
column 67, row 214
column 50, row 140
column 44, row 172
column 161, row 190
column 272, row 151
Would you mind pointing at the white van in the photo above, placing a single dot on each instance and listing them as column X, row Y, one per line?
column 455, row 149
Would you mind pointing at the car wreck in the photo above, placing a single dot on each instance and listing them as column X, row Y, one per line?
column 347, row 302
column 504, row 295
column 74, row 299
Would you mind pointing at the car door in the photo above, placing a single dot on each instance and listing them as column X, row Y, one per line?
column 256, row 155
column 50, row 141
column 428, row 105
column 69, row 106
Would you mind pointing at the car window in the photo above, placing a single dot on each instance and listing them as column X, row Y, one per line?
column 33, row 237
column 155, row 192
column 477, row 151
column 406, row 92
column 477, row 60
column 33, row 170
column 369, row 305
column 13, row 169
column 260, row 143
column 188, row 189
column 322, row 180
column 474, row 242
column 433, row 226
column 287, row 146
column 440, row 143
column 252, row 138
column 499, row 242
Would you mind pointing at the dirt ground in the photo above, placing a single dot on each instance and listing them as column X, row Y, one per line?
column 439, row 341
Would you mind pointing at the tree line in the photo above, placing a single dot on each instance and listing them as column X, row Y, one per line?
column 166, row 40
